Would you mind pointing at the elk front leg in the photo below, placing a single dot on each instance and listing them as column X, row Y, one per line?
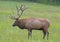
column 29, row 33
column 44, row 33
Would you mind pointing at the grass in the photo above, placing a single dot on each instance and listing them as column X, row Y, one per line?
column 14, row 34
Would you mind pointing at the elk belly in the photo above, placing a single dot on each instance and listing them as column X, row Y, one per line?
column 34, row 24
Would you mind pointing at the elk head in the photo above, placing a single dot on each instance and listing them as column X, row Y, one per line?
column 16, row 18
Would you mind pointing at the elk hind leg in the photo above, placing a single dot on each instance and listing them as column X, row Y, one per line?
column 47, row 34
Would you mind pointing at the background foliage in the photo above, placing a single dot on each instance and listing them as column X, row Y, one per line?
column 52, row 2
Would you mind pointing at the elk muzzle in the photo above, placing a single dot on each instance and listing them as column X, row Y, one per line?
column 13, row 25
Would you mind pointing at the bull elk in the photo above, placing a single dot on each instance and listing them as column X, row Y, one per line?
column 31, row 23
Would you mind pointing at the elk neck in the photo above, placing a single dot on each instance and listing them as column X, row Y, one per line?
column 20, row 24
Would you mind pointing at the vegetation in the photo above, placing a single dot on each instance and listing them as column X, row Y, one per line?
column 37, row 10
column 51, row 2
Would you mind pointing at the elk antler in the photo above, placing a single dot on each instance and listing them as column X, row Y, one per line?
column 13, row 16
column 22, row 8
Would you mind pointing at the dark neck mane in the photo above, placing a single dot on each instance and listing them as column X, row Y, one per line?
column 20, row 25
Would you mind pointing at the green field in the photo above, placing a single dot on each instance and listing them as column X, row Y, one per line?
column 37, row 10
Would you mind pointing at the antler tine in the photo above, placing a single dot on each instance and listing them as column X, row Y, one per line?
column 13, row 16
column 22, row 8
column 18, row 10
column 16, row 7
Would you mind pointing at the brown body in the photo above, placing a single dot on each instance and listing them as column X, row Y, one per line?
column 33, row 24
